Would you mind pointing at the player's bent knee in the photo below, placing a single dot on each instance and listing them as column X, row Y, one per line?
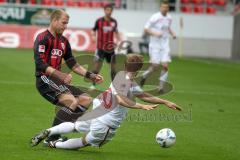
column 70, row 103
column 85, row 100
column 66, row 99
column 74, row 103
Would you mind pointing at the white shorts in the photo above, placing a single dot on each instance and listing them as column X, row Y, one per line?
column 158, row 55
column 97, row 133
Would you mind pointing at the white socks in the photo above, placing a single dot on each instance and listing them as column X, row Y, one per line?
column 163, row 78
column 62, row 128
column 73, row 143
column 147, row 72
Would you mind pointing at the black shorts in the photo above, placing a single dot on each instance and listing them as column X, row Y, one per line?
column 100, row 55
column 50, row 93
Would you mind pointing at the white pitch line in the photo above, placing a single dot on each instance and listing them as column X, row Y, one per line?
column 208, row 62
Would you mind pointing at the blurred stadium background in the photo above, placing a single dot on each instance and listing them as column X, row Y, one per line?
column 205, row 27
column 204, row 72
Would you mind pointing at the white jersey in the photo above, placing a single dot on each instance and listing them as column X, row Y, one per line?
column 159, row 23
column 121, row 85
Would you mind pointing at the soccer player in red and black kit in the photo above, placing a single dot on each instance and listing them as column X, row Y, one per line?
column 103, row 33
column 50, row 48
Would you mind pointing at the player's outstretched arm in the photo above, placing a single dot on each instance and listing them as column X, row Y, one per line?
column 155, row 100
column 126, row 102
column 78, row 69
column 83, row 72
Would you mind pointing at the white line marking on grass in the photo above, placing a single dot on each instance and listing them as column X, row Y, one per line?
column 221, row 64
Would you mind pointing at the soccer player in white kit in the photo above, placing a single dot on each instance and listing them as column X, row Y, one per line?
column 116, row 101
column 159, row 28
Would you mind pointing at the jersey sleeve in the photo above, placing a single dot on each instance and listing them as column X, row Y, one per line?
column 170, row 23
column 150, row 22
column 68, row 56
column 116, row 27
column 95, row 26
column 114, row 92
column 121, row 84
column 40, row 48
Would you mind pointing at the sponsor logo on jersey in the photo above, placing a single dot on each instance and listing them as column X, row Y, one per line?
column 56, row 52
column 63, row 46
column 113, row 24
column 41, row 48
column 107, row 98
column 107, row 29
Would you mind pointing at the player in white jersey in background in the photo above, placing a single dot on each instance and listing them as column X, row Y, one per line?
column 115, row 101
column 159, row 29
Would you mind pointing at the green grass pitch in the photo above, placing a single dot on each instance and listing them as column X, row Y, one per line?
column 207, row 129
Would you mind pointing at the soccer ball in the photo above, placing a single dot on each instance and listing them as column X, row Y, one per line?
column 166, row 137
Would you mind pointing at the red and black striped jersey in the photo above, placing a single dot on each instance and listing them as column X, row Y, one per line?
column 49, row 51
column 105, row 31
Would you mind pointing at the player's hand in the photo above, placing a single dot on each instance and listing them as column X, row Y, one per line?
column 173, row 106
column 68, row 79
column 148, row 106
column 96, row 78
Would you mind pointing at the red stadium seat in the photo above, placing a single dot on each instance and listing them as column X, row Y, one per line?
column 198, row 9
column 58, row 2
column 209, row 2
column 220, row 2
column 210, row 10
column 186, row 9
column 72, row 3
column 89, row 4
column 84, row 4
column 2, row 1
column 185, row 1
column 197, row 2
column 81, row 4
column 47, row 2
column 32, row 2
column 97, row 4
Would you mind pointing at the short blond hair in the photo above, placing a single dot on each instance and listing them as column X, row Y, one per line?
column 164, row 2
column 56, row 14
column 134, row 62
